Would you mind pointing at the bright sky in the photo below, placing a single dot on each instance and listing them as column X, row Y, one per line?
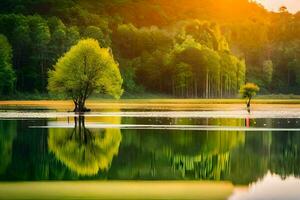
column 292, row 5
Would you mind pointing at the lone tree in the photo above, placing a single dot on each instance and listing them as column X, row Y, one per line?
column 84, row 70
column 249, row 91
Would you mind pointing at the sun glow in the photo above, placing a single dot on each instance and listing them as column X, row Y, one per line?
column 274, row 5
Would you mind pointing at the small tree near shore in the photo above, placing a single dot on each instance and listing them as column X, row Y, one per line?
column 248, row 91
column 84, row 70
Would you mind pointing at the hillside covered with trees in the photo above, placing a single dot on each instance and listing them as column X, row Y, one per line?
column 195, row 48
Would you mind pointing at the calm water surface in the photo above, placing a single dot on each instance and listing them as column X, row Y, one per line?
column 251, row 157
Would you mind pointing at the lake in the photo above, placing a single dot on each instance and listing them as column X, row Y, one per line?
column 150, row 152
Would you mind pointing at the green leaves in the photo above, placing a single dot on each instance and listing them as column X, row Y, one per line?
column 97, row 34
column 84, row 70
column 85, row 151
column 193, row 60
column 7, row 74
column 249, row 90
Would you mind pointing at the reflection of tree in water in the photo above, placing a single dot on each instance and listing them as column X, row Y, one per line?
column 85, row 151
column 212, row 159
column 249, row 163
column 204, row 166
column 285, row 154
column 277, row 152
column 30, row 160
column 8, row 131
column 156, row 154
column 239, row 157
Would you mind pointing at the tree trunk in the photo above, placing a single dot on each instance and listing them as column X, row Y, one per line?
column 80, row 106
column 196, row 89
column 249, row 104
column 206, row 86
column 221, row 86
column 76, row 106
column 288, row 77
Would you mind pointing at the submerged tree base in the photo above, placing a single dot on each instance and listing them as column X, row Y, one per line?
column 81, row 110
column 249, row 109
column 80, row 107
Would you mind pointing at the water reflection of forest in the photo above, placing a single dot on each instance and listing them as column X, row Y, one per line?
column 85, row 153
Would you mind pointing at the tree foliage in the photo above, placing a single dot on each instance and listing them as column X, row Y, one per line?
column 7, row 74
column 37, row 43
column 85, row 151
column 248, row 91
column 196, row 58
column 148, row 39
column 84, row 70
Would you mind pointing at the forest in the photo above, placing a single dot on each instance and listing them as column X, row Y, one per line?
column 199, row 49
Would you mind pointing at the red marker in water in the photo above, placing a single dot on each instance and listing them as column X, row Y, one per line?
column 247, row 122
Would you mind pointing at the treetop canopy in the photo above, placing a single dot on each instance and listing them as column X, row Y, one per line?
column 85, row 69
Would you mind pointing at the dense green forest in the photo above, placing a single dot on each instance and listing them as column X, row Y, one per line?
column 199, row 48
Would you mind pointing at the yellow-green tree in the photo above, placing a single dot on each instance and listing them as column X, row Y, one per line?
column 84, row 70
column 85, row 151
column 249, row 91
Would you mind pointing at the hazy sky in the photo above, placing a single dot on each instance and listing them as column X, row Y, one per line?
column 292, row 5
